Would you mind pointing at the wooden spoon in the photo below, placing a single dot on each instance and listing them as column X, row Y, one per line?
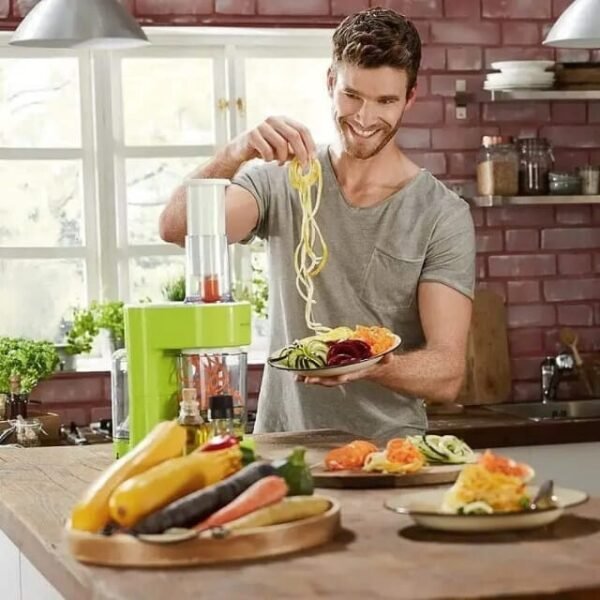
column 569, row 338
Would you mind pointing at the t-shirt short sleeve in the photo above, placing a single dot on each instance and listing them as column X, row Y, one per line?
column 450, row 257
column 254, row 178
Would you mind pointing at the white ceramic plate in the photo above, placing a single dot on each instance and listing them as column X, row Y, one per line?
column 519, row 86
column 517, row 65
column 341, row 369
column 520, row 77
column 424, row 509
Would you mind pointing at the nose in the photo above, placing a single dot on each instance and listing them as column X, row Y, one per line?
column 366, row 115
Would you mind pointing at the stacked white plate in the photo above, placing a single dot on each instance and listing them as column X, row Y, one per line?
column 521, row 75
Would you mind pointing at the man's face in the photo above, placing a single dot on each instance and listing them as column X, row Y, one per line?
column 368, row 105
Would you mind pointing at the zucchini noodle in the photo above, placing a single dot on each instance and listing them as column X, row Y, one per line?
column 311, row 253
column 502, row 493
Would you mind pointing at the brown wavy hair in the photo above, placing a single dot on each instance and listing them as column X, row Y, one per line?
column 379, row 37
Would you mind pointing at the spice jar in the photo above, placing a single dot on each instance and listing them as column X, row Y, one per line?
column 28, row 432
column 497, row 167
column 535, row 162
column 590, row 180
column 564, row 184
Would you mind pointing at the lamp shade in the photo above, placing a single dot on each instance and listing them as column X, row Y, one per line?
column 577, row 27
column 77, row 23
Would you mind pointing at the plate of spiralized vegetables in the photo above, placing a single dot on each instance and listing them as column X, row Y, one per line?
column 492, row 494
column 402, row 462
column 336, row 352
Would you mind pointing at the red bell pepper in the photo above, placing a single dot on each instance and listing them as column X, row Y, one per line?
column 220, row 442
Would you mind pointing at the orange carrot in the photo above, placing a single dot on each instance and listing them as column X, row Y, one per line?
column 266, row 491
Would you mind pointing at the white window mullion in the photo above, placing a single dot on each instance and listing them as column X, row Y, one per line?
column 141, row 250
column 40, row 153
column 90, row 196
column 238, row 92
column 221, row 114
column 105, row 207
column 120, row 180
column 167, row 151
column 42, row 252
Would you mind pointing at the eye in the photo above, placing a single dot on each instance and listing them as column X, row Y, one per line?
column 351, row 95
column 388, row 101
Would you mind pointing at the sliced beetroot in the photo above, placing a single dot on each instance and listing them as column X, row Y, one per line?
column 349, row 350
column 341, row 359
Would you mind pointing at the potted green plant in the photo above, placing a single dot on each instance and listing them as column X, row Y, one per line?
column 29, row 360
column 174, row 289
column 87, row 323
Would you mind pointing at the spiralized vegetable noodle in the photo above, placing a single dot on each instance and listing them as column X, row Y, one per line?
column 503, row 493
column 311, row 253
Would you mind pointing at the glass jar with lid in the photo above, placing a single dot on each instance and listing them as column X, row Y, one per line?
column 535, row 163
column 564, row 184
column 497, row 167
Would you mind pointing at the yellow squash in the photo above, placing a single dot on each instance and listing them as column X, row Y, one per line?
column 142, row 495
column 165, row 441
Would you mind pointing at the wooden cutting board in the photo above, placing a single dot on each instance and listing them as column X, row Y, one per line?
column 126, row 551
column 428, row 475
column 488, row 376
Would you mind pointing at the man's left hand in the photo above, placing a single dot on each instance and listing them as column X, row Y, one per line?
column 373, row 373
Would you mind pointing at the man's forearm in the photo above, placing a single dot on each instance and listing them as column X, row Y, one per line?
column 172, row 223
column 433, row 374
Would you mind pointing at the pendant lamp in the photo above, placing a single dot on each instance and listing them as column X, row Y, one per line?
column 79, row 23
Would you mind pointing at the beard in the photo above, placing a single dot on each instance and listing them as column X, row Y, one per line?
column 364, row 148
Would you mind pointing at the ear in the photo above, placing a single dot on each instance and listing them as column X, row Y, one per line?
column 412, row 96
column 330, row 80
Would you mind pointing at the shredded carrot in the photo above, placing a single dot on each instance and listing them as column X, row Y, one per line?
column 379, row 339
column 402, row 451
column 210, row 377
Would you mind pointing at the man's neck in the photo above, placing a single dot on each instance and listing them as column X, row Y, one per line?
column 390, row 168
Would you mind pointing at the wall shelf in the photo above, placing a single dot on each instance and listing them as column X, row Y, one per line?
column 511, row 95
column 489, row 201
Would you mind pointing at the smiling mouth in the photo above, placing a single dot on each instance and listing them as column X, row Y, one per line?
column 362, row 133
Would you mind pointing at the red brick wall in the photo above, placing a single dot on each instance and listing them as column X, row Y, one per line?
column 545, row 261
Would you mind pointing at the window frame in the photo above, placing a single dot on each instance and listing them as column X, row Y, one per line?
column 106, row 250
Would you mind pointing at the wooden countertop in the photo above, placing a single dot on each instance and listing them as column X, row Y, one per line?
column 378, row 555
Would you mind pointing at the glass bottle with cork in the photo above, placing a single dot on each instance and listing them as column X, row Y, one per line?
column 191, row 419
column 17, row 401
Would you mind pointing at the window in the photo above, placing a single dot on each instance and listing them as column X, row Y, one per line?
column 91, row 146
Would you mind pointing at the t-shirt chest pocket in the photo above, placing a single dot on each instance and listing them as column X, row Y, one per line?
column 390, row 282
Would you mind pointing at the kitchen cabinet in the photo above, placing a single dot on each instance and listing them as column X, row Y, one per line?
column 20, row 579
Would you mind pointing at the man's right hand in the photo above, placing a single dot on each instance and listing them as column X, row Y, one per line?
column 276, row 138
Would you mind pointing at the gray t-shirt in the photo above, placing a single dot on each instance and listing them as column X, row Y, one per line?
column 377, row 257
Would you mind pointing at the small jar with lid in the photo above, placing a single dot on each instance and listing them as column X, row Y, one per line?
column 535, row 163
column 564, row 184
column 497, row 167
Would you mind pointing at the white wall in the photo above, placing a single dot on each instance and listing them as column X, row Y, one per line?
column 568, row 465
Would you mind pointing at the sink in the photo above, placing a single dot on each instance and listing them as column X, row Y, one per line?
column 536, row 411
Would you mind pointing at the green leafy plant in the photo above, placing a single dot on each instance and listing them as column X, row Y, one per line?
column 260, row 293
column 174, row 290
column 87, row 323
column 30, row 360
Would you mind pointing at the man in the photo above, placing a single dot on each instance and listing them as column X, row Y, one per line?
column 401, row 245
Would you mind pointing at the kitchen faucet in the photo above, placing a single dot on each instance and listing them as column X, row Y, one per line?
column 553, row 368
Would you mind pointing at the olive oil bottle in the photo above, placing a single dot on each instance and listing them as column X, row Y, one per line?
column 191, row 419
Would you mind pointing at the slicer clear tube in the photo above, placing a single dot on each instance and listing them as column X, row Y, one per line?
column 208, row 268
